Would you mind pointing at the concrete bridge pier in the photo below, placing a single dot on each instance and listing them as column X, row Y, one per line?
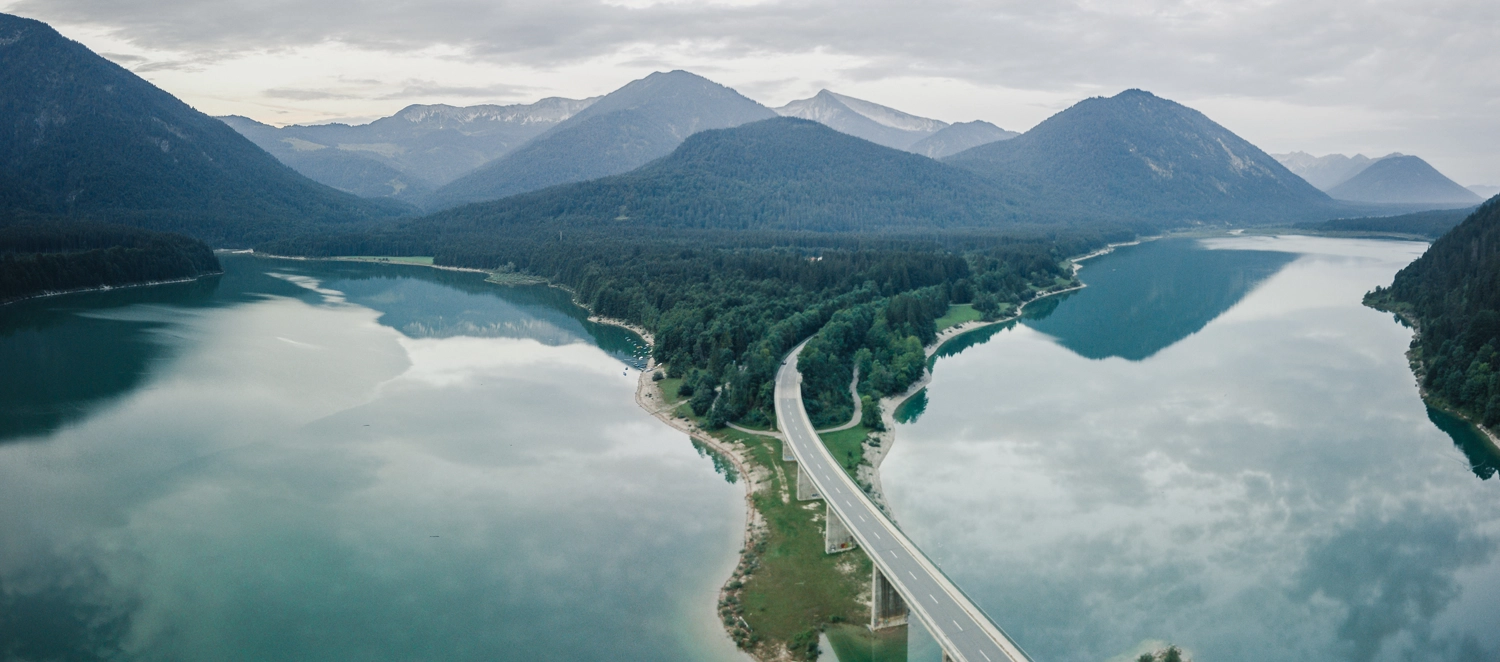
column 836, row 535
column 887, row 609
column 807, row 490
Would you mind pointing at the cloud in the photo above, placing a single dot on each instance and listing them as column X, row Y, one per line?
column 1426, row 64
column 426, row 89
column 305, row 95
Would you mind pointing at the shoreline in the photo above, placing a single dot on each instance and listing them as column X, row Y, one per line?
column 650, row 398
column 107, row 288
column 1418, row 371
column 875, row 454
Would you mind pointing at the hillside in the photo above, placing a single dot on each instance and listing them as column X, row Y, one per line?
column 780, row 174
column 956, row 138
column 410, row 153
column 644, row 120
column 90, row 139
column 1324, row 172
column 1452, row 293
column 39, row 257
column 1138, row 156
column 873, row 122
column 1402, row 179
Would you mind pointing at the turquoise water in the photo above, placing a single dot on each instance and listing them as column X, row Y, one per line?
column 335, row 461
column 1213, row 445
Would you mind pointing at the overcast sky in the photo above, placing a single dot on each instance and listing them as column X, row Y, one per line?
column 1322, row 76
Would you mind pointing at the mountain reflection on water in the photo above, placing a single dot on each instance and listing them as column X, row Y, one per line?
column 81, row 351
column 1147, row 297
column 1255, row 478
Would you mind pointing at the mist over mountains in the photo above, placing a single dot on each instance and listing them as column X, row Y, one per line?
column 871, row 121
column 408, row 154
column 1400, row 179
column 100, row 141
column 958, row 137
column 623, row 130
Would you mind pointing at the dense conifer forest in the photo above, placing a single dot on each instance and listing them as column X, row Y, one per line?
column 39, row 257
column 1452, row 294
column 1431, row 224
column 725, row 306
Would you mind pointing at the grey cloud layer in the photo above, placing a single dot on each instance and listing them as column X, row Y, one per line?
column 1413, row 60
column 1325, row 49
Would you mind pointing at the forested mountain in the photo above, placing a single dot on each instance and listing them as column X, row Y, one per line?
column 86, row 138
column 410, row 153
column 40, row 257
column 1324, row 172
column 1452, row 294
column 1431, row 224
column 745, row 241
column 956, row 138
column 1138, row 156
column 623, row 130
column 779, row 174
column 857, row 117
column 1403, row 179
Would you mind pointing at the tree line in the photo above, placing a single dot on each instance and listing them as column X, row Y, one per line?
column 1452, row 294
column 40, row 257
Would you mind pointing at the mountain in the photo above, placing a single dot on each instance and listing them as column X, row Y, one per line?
column 644, row 120
column 956, row 138
column 86, row 138
column 871, row 121
column 1138, row 156
column 1324, row 172
column 1485, row 192
column 412, row 152
column 778, row 174
column 1403, row 179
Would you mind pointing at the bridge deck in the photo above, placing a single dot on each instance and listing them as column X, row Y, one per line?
column 960, row 627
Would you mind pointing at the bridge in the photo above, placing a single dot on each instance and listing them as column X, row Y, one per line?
column 905, row 582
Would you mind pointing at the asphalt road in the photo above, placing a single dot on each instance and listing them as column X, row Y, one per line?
column 960, row 627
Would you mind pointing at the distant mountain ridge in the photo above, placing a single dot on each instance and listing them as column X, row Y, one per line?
column 873, row 122
column 1402, row 179
column 1324, row 172
column 777, row 174
column 958, row 137
column 412, row 152
column 1138, row 156
column 644, row 120
column 89, row 139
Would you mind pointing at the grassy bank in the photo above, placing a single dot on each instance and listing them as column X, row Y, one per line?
column 847, row 447
column 958, row 313
column 424, row 260
column 793, row 589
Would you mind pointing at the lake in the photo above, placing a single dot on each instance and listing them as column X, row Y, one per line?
column 1214, row 445
column 332, row 461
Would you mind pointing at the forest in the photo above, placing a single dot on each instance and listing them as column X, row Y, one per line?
column 1431, row 224
column 38, row 257
column 1452, row 295
column 725, row 306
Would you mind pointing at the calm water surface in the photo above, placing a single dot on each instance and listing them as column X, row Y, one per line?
column 1214, row 445
column 337, row 461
